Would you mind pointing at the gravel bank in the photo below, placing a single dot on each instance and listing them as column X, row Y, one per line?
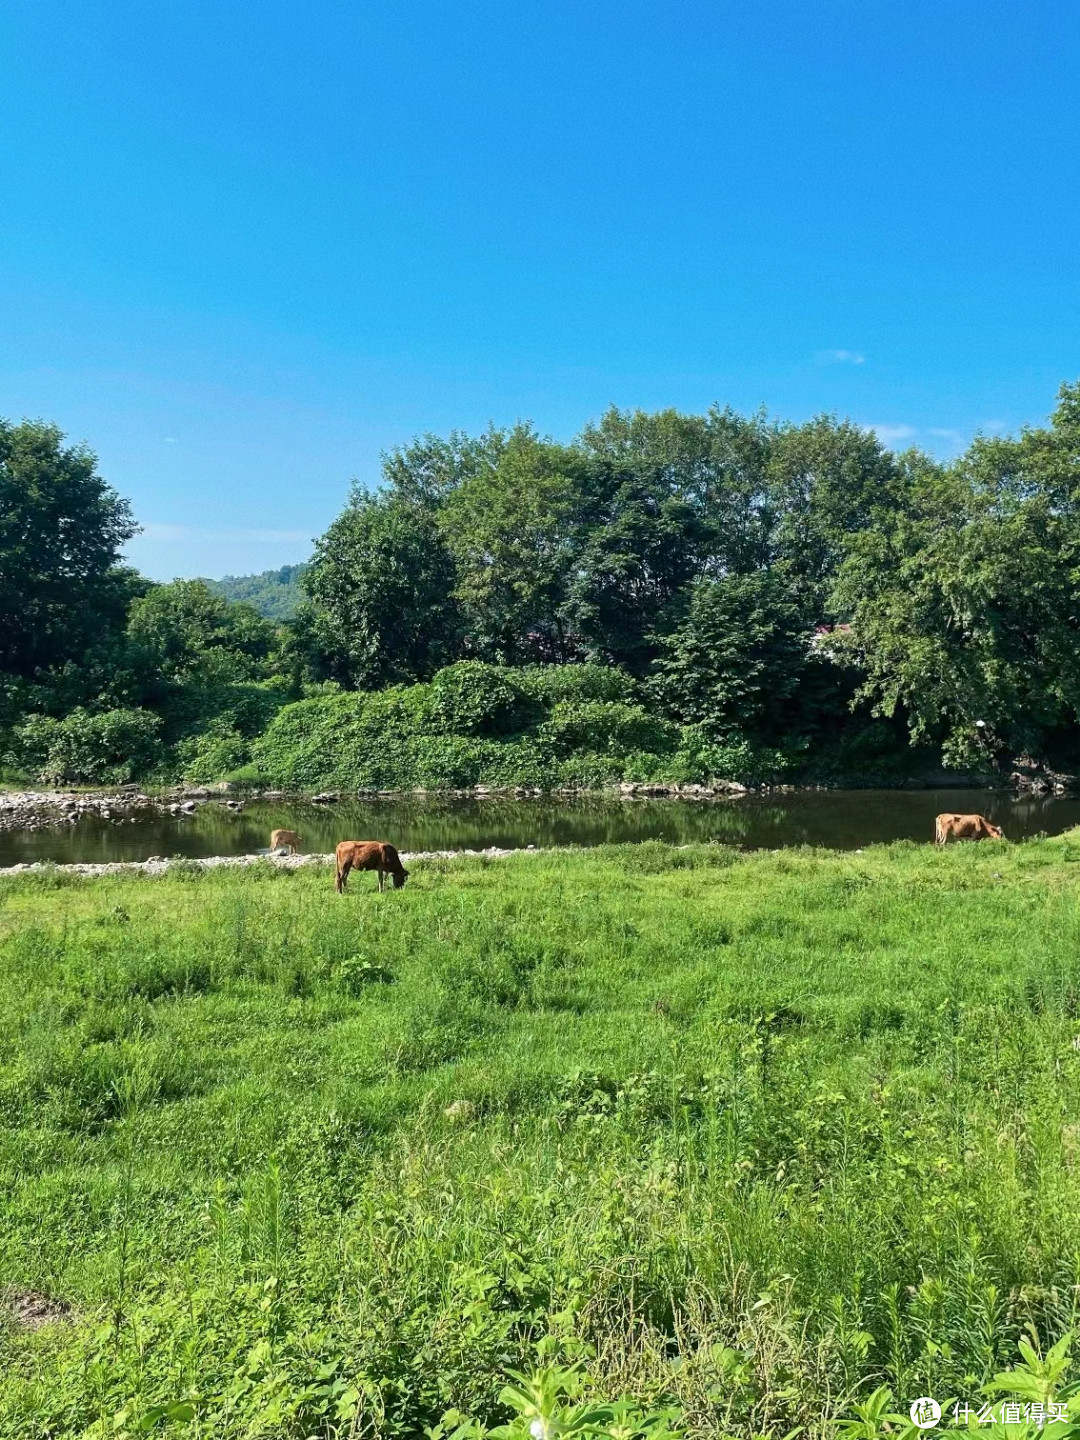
column 158, row 864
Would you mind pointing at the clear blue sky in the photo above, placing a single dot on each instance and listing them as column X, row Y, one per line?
column 245, row 247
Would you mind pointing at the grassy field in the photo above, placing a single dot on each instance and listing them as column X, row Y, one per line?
column 746, row 1136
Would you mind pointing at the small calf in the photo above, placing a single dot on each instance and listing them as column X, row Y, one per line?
column 368, row 855
column 284, row 840
column 965, row 827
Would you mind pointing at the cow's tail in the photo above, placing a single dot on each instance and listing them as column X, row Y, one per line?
column 939, row 831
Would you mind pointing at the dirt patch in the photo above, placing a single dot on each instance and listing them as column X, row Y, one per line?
column 30, row 1310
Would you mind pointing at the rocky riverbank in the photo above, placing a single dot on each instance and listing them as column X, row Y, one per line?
column 43, row 809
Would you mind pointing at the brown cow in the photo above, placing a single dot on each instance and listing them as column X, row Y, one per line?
column 284, row 840
column 368, row 855
column 965, row 827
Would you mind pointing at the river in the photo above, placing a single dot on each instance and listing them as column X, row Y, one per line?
column 841, row 819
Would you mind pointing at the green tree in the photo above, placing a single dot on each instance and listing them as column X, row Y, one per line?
column 381, row 586
column 735, row 656
column 62, row 527
column 429, row 469
column 666, row 499
column 184, row 633
column 510, row 528
column 966, row 602
column 827, row 480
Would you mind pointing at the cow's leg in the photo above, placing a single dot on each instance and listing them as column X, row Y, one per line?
column 343, row 875
column 381, row 878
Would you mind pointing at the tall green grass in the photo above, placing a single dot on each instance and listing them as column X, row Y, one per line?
column 751, row 1136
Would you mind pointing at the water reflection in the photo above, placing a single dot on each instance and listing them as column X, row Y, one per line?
column 844, row 819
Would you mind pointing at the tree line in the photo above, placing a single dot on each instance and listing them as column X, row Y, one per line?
column 797, row 588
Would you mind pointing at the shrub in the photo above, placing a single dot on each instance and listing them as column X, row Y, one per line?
column 607, row 726
column 452, row 734
column 473, row 698
column 551, row 685
column 105, row 749
column 699, row 759
column 304, row 744
column 219, row 750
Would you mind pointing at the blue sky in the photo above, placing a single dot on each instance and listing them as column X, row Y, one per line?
column 246, row 247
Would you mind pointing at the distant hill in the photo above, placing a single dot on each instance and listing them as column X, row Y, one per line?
column 274, row 593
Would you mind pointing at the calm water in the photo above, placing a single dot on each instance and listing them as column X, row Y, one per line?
column 844, row 819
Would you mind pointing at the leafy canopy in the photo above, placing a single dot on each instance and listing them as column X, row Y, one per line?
column 61, row 532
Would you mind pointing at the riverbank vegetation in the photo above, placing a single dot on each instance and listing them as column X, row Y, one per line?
column 747, row 1136
column 667, row 596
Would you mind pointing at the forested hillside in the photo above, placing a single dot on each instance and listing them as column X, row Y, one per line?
column 667, row 597
column 275, row 594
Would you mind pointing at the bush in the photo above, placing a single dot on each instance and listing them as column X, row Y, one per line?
column 84, row 749
column 700, row 760
column 551, row 685
column 304, row 744
column 452, row 733
column 473, row 698
column 608, row 727
column 219, row 750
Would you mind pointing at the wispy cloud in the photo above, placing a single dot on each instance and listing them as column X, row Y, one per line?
column 154, row 531
column 893, row 434
column 170, row 439
column 943, row 441
column 840, row 357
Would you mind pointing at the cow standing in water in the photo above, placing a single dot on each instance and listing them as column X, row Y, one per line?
column 368, row 855
column 285, row 840
column 965, row 827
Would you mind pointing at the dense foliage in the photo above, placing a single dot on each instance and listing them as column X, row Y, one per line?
column 772, row 600
column 63, row 592
column 751, row 1136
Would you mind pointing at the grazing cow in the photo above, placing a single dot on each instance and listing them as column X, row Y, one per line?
column 368, row 855
column 284, row 840
column 965, row 827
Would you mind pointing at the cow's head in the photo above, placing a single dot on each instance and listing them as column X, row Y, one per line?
column 995, row 832
column 399, row 880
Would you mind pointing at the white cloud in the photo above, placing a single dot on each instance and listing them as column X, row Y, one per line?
column 940, row 440
column 840, row 357
column 154, row 531
column 893, row 434
column 170, row 439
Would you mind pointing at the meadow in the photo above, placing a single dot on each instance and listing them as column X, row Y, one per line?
column 743, row 1138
